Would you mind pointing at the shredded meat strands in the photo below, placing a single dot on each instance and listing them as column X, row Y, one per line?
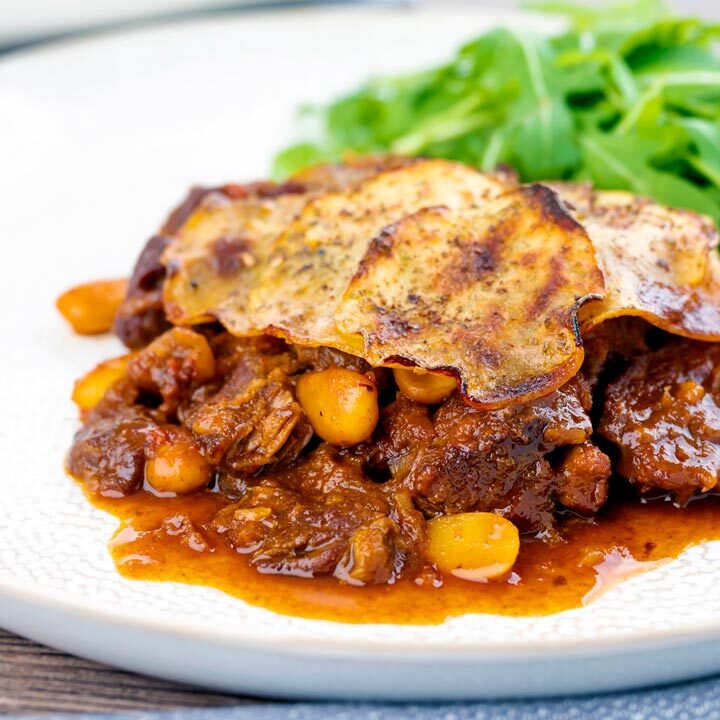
column 433, row 264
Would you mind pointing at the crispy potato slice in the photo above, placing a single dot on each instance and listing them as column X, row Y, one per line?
column 312, row 262
column 216, row 254
column 659, row 263
column 487, row 294
column 217, row 251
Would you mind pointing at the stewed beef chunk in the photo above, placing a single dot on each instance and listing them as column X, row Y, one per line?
column 108, row 452
column 464, row 459
column 323, row 516
column 583, row 476
column 612, row 345
column 253, row 419
column 171, row 366
column 141, row 317
column 663, row 413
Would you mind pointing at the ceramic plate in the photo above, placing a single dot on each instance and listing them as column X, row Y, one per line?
column 97, row 140
column 31, row 19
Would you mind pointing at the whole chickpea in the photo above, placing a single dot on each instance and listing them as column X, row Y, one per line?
column 90, row 389
column 175, row 465
column 475, row 546
column 341, row 404
column 90, row 308
column 428, row 388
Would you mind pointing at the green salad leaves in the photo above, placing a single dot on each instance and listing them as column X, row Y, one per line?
column 628, row 97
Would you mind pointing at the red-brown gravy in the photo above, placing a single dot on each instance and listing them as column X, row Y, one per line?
column 627, row 538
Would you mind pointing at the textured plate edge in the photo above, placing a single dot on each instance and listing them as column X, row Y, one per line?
column 72, row 605
column 417, row 677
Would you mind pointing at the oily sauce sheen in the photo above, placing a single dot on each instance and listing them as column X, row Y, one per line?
column 168, row 539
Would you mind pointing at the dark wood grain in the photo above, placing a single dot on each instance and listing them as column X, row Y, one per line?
column 36, row 679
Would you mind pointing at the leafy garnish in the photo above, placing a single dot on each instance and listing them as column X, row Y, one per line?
column 627, row 97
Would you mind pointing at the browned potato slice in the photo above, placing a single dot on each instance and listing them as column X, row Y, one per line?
column 489, row 294
column 660, row 263
column 217, row 253
column 215, row 257
column 313, row 260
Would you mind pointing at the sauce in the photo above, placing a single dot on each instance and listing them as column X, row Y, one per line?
column 167, row 539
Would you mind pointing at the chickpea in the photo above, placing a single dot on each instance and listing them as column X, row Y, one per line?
column 90, row 308
column 341, row 404
column 177, row 466
column 428, row 388
column 90, row 389
column 186, row 345
column 171, row 363
column 475, row 546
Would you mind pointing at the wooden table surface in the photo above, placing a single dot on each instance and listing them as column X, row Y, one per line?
column 36, row 680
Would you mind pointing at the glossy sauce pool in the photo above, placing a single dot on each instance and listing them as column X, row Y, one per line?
column 167, row 539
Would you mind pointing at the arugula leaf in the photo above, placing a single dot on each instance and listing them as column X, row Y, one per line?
column 542, row 143
column 295, row 157
column 601, row 18
column 624, row 164
column 628, row 96
column 705, row 136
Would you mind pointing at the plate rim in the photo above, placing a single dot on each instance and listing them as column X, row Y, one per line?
column 154, row 621
column 261, row 15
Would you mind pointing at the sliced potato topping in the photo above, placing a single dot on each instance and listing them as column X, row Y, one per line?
column 493, row 290
column 490, row 294
column 476, row 546
column 217, row 254
column 659, row 263
column 312, row 261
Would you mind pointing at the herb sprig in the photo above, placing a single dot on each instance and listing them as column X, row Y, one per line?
column 627, row 97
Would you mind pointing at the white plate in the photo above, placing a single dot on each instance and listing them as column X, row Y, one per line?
column 97, row 140
column 30, row 19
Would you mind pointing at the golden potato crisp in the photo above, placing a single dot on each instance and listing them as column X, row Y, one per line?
column 433, row 264
column 488, row 294
column 314, row 259
column 659, row 263
column 215, row 256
